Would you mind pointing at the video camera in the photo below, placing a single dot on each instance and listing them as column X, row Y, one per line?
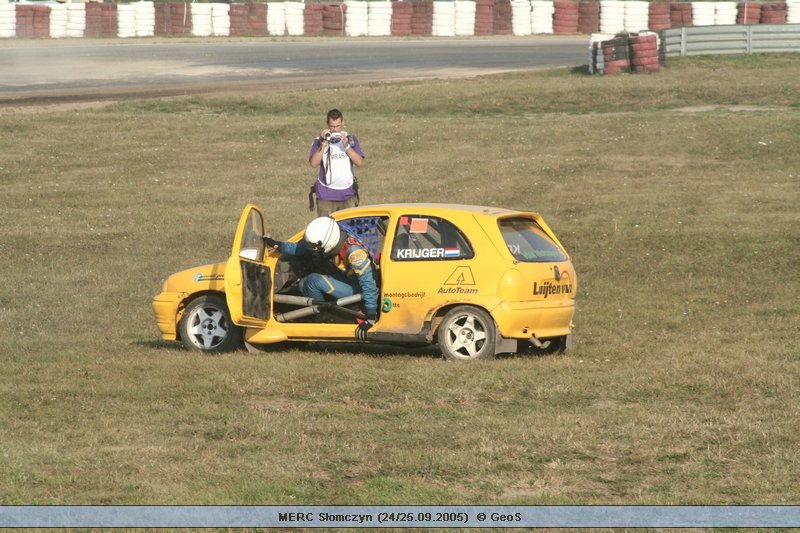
column 335, row 137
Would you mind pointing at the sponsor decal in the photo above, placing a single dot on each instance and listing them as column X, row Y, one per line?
column 427, row 253
column 418, row 225
column 547, row 288
column 199, row 277
column 387, row 305
column 459, row 282
column 461, row 276
column 457, row 290
column 402, row 295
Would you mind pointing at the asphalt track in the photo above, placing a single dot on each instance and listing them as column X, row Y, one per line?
column 35, row 71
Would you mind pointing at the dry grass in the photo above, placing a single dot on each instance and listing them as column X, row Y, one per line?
column 682, row 387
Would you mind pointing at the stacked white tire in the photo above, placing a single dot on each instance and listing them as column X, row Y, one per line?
column 612, row 16
column 444, row 18
column 58, row 21
column 356, row 21
column 725, row 13
column 703, row 13
column 276, row 18
column 542, row 12
column 465, row 11
column 201, row 19
column 8, row 20
column 76, row 20
column 145, row 18
column 637, row 16
column 792, row 12
column 520, row 17
column 379, row 19
column 220, row 19
column 295, row 18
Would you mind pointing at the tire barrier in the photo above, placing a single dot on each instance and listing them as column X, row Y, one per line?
column 353, row 18
column 773, row 13
column 565, row 18
column 171, row 19
column 501, row 19
column 402, row 15
column 484, row 17
column 748, row 13
column 422, row 17
column 680, row 15
column 313, row 23
column 644, row 53
column 246, row 19
column 588, row 17
column 658, row 16
column 637, row 53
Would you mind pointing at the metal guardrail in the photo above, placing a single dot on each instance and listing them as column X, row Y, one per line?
column 733, row 39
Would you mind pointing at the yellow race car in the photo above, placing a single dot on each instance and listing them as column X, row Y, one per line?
column 479, row 281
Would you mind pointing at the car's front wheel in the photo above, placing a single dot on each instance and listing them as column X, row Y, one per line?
column 467, row 333
column 206, row 325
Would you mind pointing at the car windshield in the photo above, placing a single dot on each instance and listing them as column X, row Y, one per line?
column 528, row 242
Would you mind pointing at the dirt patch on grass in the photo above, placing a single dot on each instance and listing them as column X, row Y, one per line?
column 735, row 108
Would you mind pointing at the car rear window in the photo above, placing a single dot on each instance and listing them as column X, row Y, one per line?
column 527, row 242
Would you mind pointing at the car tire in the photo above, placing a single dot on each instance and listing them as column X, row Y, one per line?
column 467, row 333
column 206, row 326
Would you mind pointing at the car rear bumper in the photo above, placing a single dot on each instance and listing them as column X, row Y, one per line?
column 543, row 319
column 165, row 307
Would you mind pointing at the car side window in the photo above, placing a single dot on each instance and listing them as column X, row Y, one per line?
column 370, row 231
column 528, row 243
column 425, row 238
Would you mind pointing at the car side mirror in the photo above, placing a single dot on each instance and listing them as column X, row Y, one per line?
column 249, row 253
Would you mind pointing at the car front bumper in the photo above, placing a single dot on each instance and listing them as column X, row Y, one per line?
column 165, row 307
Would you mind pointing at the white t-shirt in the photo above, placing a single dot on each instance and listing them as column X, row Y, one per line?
column 337, row 166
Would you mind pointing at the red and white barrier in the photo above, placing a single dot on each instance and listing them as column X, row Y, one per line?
column 355, row 18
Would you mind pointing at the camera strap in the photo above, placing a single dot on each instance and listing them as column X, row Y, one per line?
column 312, row 196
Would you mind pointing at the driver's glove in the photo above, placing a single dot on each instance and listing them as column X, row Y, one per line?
column 364, row 327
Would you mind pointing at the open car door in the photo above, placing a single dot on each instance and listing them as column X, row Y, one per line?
column 248, row 281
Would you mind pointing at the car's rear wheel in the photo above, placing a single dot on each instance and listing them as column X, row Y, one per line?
column 206, row 325
column 467, row 333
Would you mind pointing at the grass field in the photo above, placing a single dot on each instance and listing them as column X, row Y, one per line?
column 676, row 194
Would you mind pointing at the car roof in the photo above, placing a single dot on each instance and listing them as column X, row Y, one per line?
column 431, row 208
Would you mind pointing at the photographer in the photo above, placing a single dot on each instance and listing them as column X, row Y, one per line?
column 336, row 153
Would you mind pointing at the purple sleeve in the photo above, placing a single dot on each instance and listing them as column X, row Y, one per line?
column 357, row 146
column 314, row 148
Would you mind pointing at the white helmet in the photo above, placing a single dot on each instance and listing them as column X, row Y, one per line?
column 323, row 235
